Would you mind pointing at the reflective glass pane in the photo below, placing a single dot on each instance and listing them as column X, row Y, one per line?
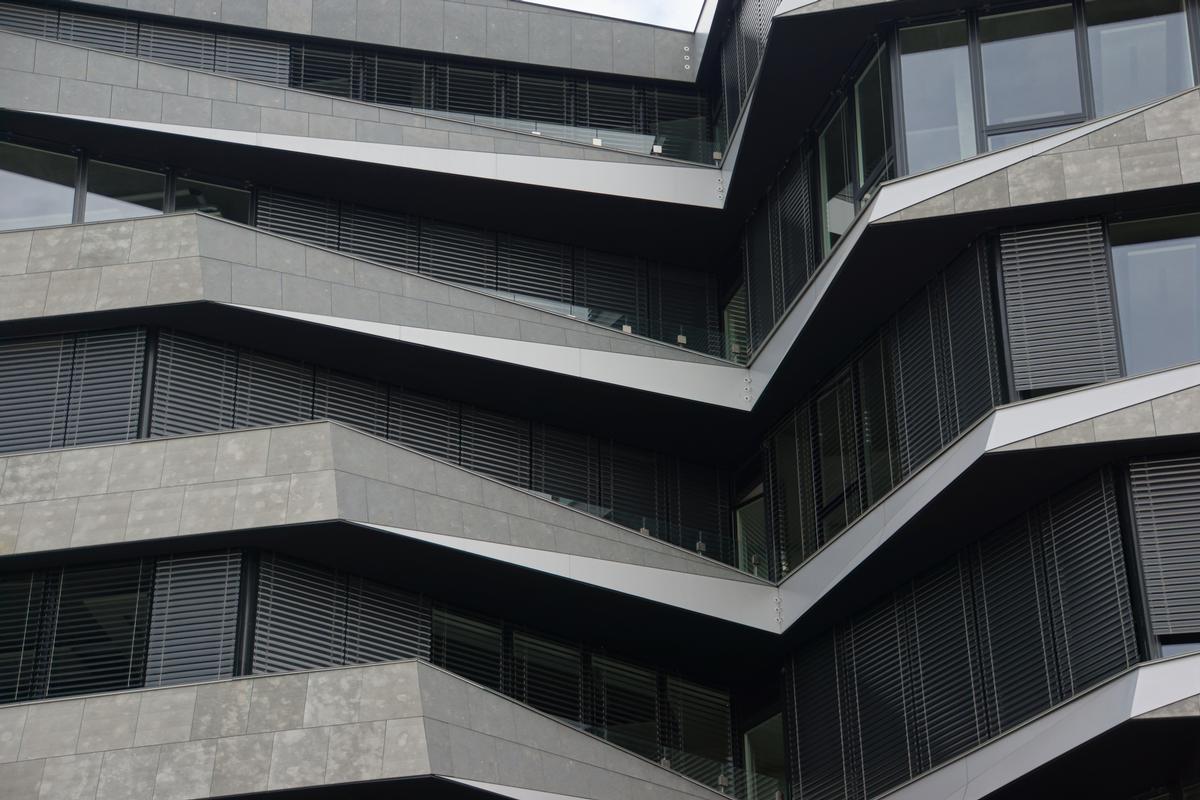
column 116, row 192
column 1139, row 51
column 1002, row 140
column 837, row 182
column 939, row 114
column 872, row 100
column 37, row 188
column 1030, row 70
column 221, row 201
column 1156, row 264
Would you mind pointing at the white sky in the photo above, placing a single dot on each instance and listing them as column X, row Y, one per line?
column 680, row 14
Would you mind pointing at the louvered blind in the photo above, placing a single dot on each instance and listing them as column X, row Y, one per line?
column 70, row 390
column 1058, row 303
column 496, row 445
column 23, row 621
column 548, row 675
column 326, row 70
column 631, row 493
column 106, row 387
column 99, row 631
column 697, row 725
column 396, row 81
column 193, row 624
column 35, row 376
column 970, row 351
column 194, row 386
column 566, row 467
column 271, row 391
column 427, row 424
column 1032, row 614
column 1088, row 588
column 102, row 33
column 253, row 59
column 1166, row 510
column 309, row 219
column 180, row 46
column 612, row 289
column 300, row 617
column 797, row 234
column 813, row 722
column 877, row 642
column 384, row 624
column 951, row 714
column 352, row 401
column 29, row 19
column 531, row 268
column 469, row 646
column 624, row 702
column 380, row 236
column 758, row 276
column 458, row 253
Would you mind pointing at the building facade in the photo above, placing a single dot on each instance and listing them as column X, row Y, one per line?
column 472, row 398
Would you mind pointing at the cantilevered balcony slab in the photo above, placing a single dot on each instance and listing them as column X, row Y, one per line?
column 67, row 81
column 190, row 258
column 236, row 484
column 340, row 727
column 1006, row 463
column 521, row 33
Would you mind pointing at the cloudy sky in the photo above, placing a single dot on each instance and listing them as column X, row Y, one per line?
column 671, row 13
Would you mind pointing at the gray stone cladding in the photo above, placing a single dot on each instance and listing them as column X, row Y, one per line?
column 192, row 257
column 53, row 77
column 504, row 30
column 339, row 726
column 290, row 475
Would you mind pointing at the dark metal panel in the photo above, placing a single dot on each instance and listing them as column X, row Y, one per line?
column 193, row 624
column 1058, row 305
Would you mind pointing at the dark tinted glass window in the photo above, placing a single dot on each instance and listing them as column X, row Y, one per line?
column 873, row 102
column 1030, row 70
column 116, row 192
column 37, row 188
column 1157, row 270
column 1139, row 51
column 837, row 181
column 939, row 116
column 221, row 201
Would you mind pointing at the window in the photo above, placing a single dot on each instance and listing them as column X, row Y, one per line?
column 872, row 100
column 939, row 114
column 1139, row 50
column 855, row 150
column 1030, row 68
column 116, row 192
column 1156, row 266
column 37, row 188
column 221, row 201
column 837, row 183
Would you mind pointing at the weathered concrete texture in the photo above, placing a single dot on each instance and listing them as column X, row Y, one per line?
column 46, row 76
column 192, row 257
column 264, row 733
column 309, row 472
column 507, row 30
column 1173, row 414
column 1155, row 148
